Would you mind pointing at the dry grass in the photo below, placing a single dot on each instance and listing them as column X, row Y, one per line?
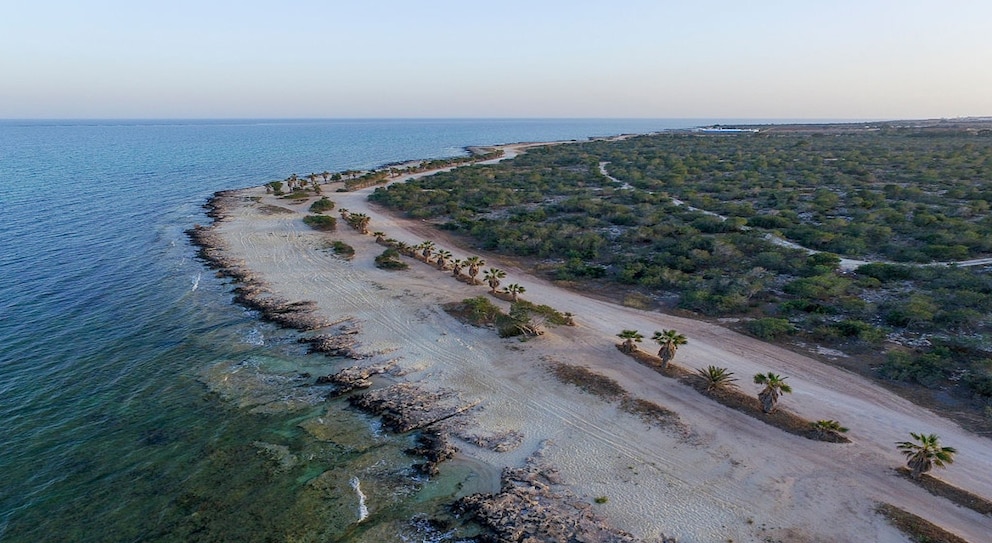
column 735, row 399
column 921, row 530
column 588, row 380
column 611, row 391
column 945, row 490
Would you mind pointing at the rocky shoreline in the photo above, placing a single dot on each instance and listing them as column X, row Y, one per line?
column 532, row 505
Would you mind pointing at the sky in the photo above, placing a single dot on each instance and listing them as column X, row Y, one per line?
column 756, row 59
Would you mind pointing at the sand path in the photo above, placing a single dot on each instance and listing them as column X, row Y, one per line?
column 731, row 478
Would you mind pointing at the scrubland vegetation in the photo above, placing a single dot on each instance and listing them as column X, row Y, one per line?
column 696, row 222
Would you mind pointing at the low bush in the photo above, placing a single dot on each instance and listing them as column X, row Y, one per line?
column 769, row 327
column 390, row 260
column 320, row 222
column 342, row 249
column 322, row 205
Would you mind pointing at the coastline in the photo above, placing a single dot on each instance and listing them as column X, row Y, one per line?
column 722, row 477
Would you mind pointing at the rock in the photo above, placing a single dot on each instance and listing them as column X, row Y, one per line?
column 434, row 446
column 405, row 407
column 498, row 442
column 354, row 377
column 333, row 345
column 530, row 508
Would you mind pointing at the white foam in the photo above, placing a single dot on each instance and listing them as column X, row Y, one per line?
column 363, row 511
column 254, row 337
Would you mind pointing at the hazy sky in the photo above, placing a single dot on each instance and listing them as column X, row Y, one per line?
column 509, row 58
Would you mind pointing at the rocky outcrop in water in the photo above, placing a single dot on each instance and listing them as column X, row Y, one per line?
column 341, row 345
column 354, row 377
column 434, row 446
column 405, row 406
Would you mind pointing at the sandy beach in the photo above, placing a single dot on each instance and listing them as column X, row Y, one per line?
column 718, row 476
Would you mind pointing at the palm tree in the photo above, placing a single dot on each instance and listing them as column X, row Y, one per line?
column 379, row 236
column 474, row 263
column 515, row 290
column 717, row 379
column 629, row 337
column 456, row 266
column 670, row 341
column 359, row 221
column 426, row 249
column 492, row 276
column 443, row 258
column 925, row 454
column 344, row 213
column 774, row 388
column 404, row 248
column 828, row 427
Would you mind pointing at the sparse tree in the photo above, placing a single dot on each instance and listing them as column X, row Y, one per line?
column 492, row 277
column 775, row 386
column 474, row 263
column 515, row 290
column 631, row 338
column 360, row 222
column 426, row 249
column 670, row 341
column 456, row 267
column 443, row 258
column 925, row 453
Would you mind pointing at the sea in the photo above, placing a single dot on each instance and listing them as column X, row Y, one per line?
column 137, row 402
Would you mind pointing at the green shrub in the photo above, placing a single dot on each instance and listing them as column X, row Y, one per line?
column 769, row 327
column 322, row 205
column 859, row 329
column 342, row 249
column 320, row 222
column 390, row 260
column 298, row 194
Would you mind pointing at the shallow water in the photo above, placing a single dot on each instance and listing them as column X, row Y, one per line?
column 138, row 403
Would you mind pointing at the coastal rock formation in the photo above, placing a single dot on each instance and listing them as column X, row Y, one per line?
column 299, row 315
column 504, row 441
column 434, row 446
column 405, row 407
column 251, row 292
column 531, row 506
column 353, row 377
column 340, row 345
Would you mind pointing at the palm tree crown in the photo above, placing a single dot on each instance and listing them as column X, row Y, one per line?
column 474, row 263
column 717, row 379
column 629, row 337
column 515, row 290
column 443, row 258
column 828, row 427
column 670, row 341
column 775, row 386
column 492, row 276
column 926, row 453
column 426, row 249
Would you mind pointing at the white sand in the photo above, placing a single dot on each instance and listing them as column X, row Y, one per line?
column 733, row 478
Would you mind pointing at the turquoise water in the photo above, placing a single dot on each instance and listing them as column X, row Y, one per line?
column 136, row 402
